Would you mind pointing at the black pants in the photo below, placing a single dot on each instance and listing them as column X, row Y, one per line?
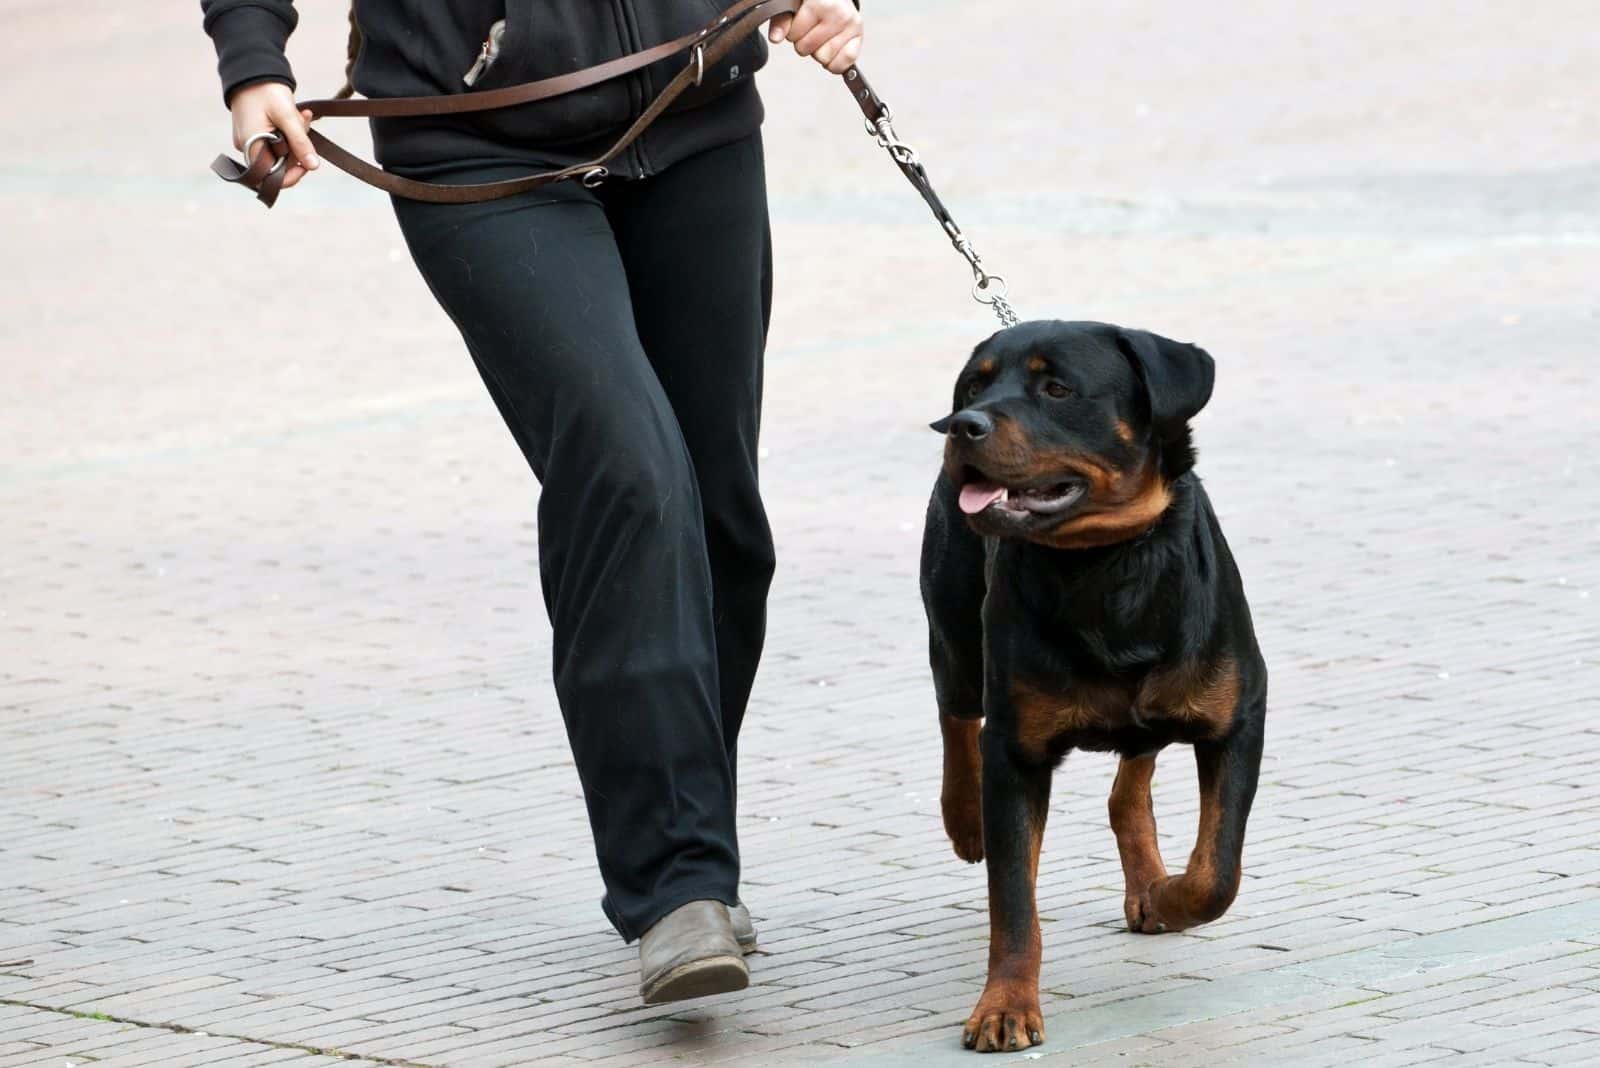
column 620, row 332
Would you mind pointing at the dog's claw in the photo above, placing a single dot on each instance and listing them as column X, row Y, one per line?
column 999, row 1027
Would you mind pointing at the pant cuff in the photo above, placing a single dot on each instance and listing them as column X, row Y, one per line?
column 630, row 931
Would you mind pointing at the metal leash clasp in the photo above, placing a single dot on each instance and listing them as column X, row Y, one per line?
column 882, row 131
column 990, row 289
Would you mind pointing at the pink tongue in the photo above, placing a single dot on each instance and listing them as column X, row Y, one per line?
column 976, row 496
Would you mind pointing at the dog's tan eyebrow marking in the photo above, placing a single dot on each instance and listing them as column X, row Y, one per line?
column 986, row 367
column 1037, row 364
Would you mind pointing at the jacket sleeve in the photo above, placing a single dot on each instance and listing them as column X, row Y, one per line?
column 250, row 36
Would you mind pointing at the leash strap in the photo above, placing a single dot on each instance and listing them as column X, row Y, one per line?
column 264, row 173
column 990, row 289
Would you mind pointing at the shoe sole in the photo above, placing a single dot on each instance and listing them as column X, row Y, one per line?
column 697, row 979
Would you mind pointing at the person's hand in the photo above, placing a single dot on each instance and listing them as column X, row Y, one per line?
column 829, row 30
column 268, row 106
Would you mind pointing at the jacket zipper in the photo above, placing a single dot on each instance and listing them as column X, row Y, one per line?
column 635, row 155
column 487, row 54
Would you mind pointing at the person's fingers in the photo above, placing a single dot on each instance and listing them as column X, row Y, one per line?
column 779, row 28
column 293, row 128
column 814, row 38
column 292, row 176
column 805, row 20
column 829, row 49
column 846, row 57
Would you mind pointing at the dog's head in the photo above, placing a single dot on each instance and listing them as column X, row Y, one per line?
column 1071, row 434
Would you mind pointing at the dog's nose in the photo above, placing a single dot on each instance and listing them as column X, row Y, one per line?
column 975, row 426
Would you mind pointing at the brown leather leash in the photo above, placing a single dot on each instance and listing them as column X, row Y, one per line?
column 264, row 174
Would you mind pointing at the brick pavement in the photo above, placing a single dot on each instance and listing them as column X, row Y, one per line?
column 281, row 776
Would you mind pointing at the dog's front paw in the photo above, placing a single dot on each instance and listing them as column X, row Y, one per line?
column 1007, row 1018
column 963, row 822
column 1167, row 905
column 1143, row 916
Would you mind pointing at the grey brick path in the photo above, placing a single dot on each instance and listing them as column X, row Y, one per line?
column 281, row 776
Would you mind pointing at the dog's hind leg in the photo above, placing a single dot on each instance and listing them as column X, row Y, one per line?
column 952, row 596
column 1228, row 772
column 1133, row 820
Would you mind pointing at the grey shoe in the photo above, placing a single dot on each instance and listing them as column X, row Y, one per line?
column 743, row 930
column 691, row 953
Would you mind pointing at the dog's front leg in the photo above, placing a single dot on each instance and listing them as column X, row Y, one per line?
column 1228, row 771
column 961, row 791
column 1016, row 800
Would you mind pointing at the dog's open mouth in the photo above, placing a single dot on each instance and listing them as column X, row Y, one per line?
column 980, row 496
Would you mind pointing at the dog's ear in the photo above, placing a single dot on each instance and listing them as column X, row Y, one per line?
column 941, row 425
column 1177, row 382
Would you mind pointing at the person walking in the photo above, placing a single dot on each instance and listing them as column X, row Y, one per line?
column 620, row 331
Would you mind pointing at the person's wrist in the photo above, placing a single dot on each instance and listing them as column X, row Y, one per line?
column 254, row 83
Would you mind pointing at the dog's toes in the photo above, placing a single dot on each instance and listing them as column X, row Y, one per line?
column 1133, row 911
column 1144, row 916
column 968, row 847
column 1003, row 1032
column 964, row 824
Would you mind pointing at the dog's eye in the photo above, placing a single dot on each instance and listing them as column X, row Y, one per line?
column 973, row 389
column 1057, row 389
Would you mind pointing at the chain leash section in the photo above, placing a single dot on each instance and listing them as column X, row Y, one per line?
column 990, row 289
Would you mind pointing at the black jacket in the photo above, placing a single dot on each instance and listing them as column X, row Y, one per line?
column 425, row 47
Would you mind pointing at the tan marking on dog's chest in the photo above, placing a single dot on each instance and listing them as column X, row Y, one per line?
column 1197, row 694
column 1041, row 718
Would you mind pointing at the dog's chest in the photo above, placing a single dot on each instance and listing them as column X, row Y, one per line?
column 1179, row 702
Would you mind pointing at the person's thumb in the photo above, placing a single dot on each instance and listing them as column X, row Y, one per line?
column 779, row 28
column 292, row 125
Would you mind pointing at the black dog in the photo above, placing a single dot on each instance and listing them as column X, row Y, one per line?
column 1080, row 596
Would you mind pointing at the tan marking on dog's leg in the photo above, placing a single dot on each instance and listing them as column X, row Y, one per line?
column 961, row 795
column 1208, row 885
column 1133, row 820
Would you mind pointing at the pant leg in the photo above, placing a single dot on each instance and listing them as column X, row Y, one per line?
column 539, row 292
column 696, row 244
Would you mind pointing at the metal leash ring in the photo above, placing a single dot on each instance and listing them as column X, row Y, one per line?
column 982, row 289
column 271, row 137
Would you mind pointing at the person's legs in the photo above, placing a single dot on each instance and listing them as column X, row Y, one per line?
column 539, row 292
column 697, row 248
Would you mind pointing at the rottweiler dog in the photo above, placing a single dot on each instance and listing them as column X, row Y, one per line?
column 1080, row 595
